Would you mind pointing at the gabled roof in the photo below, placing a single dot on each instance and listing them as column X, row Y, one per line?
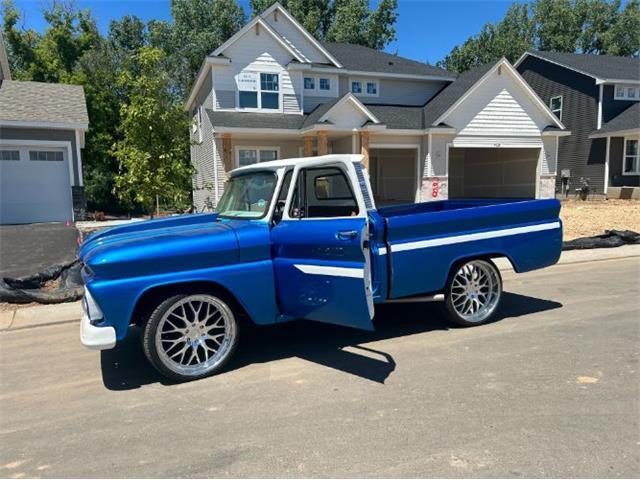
column 600, row 67
column 353, row 100
column 36, row 103
column 450, row 97
column 444, row 100
column 257, row 21
column 364, row 59
column 626, row 121
column 260, row 19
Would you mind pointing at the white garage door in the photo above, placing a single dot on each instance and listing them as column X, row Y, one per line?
column 493, row 172
column 34, row 185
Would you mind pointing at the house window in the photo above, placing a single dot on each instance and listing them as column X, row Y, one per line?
column 627, row 92
column 251, row 155
column 631, row 158
column 365, row 87
column 248, row 99
column 325, row 84
column 270, row 88
column 309, row 83
column 555, row 104
column 10, row 155
column 45, row 156
column 259, row 91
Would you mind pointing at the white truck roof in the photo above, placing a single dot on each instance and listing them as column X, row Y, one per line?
column 303, row 161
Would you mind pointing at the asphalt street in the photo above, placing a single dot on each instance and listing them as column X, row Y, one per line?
column 551, row 389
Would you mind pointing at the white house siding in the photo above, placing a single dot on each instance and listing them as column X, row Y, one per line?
column 498, row 107
column 294, row 37
column 259, row 53
column 345, row 116
column 202, row 151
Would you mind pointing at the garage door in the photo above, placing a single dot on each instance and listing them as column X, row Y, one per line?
column 493, row 172
column 393, row 175
column 34, row 185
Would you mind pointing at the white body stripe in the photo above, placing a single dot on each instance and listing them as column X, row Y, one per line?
column 331, row 271
column 436, row 242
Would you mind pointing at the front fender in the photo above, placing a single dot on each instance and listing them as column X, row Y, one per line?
column 252, row 284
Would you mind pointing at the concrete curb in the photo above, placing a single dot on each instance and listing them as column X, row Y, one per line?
column 17, row 317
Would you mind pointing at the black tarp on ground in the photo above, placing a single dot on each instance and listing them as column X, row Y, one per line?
column 610, row 238
column 32, row 288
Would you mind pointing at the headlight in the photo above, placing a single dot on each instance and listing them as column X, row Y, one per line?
column 91, row 308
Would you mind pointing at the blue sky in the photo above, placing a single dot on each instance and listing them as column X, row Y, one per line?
column 427, row 29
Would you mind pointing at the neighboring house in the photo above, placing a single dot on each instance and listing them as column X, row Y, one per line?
column 42, row 127
column 598, row 98
column 273, row 91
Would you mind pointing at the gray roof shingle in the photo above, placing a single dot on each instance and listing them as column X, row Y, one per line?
column 43, row 102
column 360, row 58
column 629, row 119
column 255, row 120
column 398, row 116
column 600, row 66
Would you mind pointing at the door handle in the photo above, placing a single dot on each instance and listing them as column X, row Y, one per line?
column 347, row 235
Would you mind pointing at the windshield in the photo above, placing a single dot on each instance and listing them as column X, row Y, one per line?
column 247, row 196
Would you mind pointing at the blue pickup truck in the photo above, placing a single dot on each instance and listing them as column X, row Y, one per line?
column 300, row 239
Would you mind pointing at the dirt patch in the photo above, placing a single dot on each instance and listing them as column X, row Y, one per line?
column 585, row 219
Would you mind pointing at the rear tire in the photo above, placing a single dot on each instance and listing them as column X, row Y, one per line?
column 473, row 293
column 190, row 336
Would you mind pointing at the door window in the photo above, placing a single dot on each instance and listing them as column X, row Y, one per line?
column 326, row 193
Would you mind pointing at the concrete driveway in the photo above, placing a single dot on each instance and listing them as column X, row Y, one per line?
column 552, row 389
column 27, row 249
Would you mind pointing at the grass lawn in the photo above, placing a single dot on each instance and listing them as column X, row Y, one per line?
column 584, row 219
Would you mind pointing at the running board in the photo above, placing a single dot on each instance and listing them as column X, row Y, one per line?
column 438, row 297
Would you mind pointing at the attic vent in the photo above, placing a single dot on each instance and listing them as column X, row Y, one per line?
column 390, row 63
column 500, row 70
column 275, row 15
column 257, row 29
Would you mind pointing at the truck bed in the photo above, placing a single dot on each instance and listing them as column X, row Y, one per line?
column 423, row 241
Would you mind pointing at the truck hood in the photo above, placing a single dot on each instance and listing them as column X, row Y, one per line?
column 186, row 242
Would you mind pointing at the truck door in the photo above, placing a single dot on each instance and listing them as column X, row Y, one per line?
column 321, row 249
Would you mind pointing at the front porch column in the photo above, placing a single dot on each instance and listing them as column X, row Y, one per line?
column 364, row 149
column 308, row 146
column 323, row 143
column 227, row 152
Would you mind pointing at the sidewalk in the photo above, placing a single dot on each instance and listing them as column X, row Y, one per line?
column 17, row 317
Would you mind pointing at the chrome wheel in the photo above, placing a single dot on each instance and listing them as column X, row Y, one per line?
column 475, row 291
column 195, row 335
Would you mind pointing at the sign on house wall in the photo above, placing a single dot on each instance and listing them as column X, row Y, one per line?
column 247, row 81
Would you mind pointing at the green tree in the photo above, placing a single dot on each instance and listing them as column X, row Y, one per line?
column 582, row 26
column 153, row 153
column 623, row 37
column 200, row 26
column 351, row 21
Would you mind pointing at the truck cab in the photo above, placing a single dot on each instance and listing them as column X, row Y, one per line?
column 300, row 239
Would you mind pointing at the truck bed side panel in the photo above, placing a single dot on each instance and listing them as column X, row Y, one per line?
column 425, row 245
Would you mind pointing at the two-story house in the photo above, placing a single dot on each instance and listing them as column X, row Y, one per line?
column 598, row 98
column 273, row 91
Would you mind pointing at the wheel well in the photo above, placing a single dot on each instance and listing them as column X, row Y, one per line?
column 485, row 256
column 153, row 296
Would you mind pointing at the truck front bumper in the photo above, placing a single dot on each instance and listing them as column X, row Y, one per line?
column 93, row 336
column 96, row 338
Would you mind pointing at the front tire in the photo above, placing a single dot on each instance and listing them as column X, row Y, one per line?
column 473, row 293
column 190, row 336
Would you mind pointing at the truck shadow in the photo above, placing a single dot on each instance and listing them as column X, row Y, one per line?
column 125, row 367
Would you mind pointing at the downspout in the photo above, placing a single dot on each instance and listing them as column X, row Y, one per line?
column 606, row 166
column 600, row 107
column 215, row 168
